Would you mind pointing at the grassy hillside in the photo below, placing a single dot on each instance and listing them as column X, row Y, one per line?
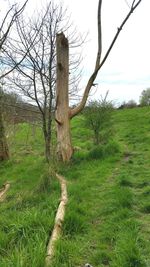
column 107, row 218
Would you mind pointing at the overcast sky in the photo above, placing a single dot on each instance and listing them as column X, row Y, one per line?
column 127, row 71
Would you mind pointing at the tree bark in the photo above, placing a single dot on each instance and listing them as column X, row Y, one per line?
column 62, row 115
column 47, row 148
column 47, row 139
column 4, row 152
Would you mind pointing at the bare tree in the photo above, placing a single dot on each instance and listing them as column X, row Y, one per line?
column 6, row 24
column 63, row 112
column 36, row 75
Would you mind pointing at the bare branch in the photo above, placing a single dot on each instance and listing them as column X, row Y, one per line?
column 118, row 32
column 99, row 34
column 13, row 19
column 77, row 109
column 5, row 35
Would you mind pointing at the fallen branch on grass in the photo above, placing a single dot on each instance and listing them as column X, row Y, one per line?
column 58, row 221
column 3, row 191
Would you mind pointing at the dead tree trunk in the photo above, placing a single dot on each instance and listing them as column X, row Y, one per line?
column 63, row 112
column 62, row 116
column 4, row 153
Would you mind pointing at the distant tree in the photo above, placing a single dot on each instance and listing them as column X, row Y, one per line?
column 130, row 104
column 98, row 118
column 145, row 97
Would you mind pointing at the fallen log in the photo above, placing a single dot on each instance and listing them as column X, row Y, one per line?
column 3, row 191
column 58, row 221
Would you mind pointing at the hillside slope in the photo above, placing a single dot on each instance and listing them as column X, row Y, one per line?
column 107, row 218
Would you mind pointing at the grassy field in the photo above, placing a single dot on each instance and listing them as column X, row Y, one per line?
column 107, row 220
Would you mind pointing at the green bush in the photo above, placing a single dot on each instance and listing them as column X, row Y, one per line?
column 145, row 97
column 98, row 118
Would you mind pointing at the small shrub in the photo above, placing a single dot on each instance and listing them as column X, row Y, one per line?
column 98, row 118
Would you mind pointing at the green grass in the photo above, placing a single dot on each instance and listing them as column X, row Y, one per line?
column 25, row 139
column 107, row 217
column 27, row 214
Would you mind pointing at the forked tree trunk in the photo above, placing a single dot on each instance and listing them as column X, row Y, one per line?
column 4, row 153
column 62, row 115
column 63, row 112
